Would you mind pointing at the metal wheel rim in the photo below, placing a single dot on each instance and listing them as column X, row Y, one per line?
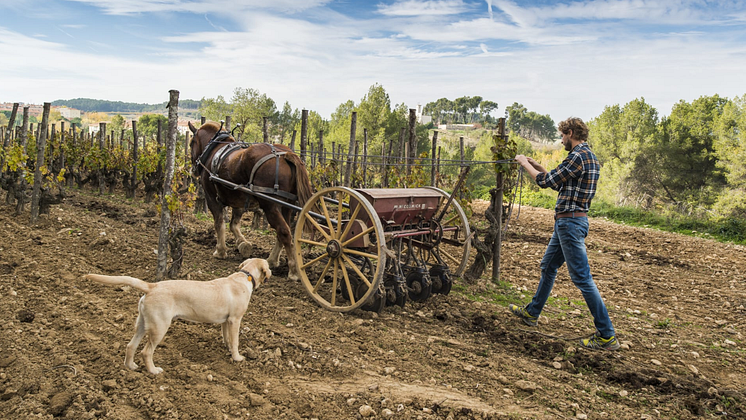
column 467, row 233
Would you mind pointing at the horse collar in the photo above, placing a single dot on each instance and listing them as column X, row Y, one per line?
column 250, row 278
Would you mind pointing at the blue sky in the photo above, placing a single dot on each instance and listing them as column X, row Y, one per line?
column 563, row 58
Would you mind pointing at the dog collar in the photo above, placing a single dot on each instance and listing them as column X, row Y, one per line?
column 250, row 277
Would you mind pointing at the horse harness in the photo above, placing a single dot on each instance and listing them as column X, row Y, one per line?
column 223, row 153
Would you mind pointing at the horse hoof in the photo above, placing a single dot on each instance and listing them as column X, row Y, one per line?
column 220, row 255
column 245, row 249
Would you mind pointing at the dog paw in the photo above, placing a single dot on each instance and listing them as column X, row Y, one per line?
column 238, row 358
column 132, row 366
column 156, row 371
column 293, row 277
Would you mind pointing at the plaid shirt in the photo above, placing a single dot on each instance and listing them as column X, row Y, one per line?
column 575, row 179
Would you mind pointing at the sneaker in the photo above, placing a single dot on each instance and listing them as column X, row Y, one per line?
column 526, row 317
column 596, row 342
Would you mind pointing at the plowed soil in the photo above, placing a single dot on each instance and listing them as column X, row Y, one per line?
column 677, row 303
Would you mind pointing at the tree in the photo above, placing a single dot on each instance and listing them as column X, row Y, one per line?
column 147, row 125
column 117, row 124
column 215, row 109
column 529, row 124
column 249, row 108
column 286, row 120
column 687, row 152
column 93, row 118
column 624, row 140
column 730, row 145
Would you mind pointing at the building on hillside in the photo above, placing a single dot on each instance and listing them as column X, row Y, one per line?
column 68, row 113
column 94, row 128
column 183, row 126
column 464, row 127
column 423, row 119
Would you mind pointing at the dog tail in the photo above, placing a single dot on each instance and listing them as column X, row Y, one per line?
column 138, row 284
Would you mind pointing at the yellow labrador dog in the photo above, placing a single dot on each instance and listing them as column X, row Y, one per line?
column 221, row 301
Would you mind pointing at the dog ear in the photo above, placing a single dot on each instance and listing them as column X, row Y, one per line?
column 244, row 263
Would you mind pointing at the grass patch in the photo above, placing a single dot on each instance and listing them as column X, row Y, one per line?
column 725, row 230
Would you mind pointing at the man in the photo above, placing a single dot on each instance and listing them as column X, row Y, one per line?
column 575, row 179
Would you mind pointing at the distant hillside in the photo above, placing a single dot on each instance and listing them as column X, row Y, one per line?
column 98, row 105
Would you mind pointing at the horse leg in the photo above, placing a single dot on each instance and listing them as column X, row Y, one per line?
column 274, row 255
column 243, row 245
column 217, row 216
column 274, row 216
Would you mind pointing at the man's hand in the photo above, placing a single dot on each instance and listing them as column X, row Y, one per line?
column 532, row 167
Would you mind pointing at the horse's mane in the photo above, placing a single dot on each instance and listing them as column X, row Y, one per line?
column 212, row 125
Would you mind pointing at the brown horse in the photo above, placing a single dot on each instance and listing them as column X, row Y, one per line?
column 272, row 169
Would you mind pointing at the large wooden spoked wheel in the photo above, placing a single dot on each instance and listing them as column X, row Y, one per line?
column 342, row 256
column 455, row 246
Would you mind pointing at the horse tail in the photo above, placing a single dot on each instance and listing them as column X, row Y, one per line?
column 303, row 187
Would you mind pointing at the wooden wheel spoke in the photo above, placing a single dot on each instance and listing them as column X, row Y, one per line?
column 353, row 217
column 347, row 282
column 328, row 219
column 314, row 243
column 318, row 226
column 315, row 260
column 359, row 253
column 356, row 270
column 334, row 284
column 359, row 235
column 321, row 277
column 340, row 209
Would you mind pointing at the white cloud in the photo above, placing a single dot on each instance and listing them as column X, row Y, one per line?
column 119, row 7
column 423, row 8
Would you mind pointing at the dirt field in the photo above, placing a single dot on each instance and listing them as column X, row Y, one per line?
column 677, row 303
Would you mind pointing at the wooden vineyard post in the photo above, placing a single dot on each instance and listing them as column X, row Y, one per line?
column 135, row 144
column 186, row 146
column 498, row 209
column 292, row 141
column 322, row 151
column 102, row 151
column 432, row 158
column 401, row 149
column 412, row 153
column 351, row 150
column 265, row 131
column 303, row 134
column 386, row 159
column 364, row 159
column 166, row 228
column 461, row 149
column 437, row 169
column 383, row 165
column 8, row 137
column 41, row 144
column 11, row 125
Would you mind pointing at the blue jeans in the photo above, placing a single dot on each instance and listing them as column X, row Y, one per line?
column 568, row 245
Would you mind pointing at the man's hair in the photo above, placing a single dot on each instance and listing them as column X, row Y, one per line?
column 578, row 127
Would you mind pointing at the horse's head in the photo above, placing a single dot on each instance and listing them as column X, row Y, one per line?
column 202, row 137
